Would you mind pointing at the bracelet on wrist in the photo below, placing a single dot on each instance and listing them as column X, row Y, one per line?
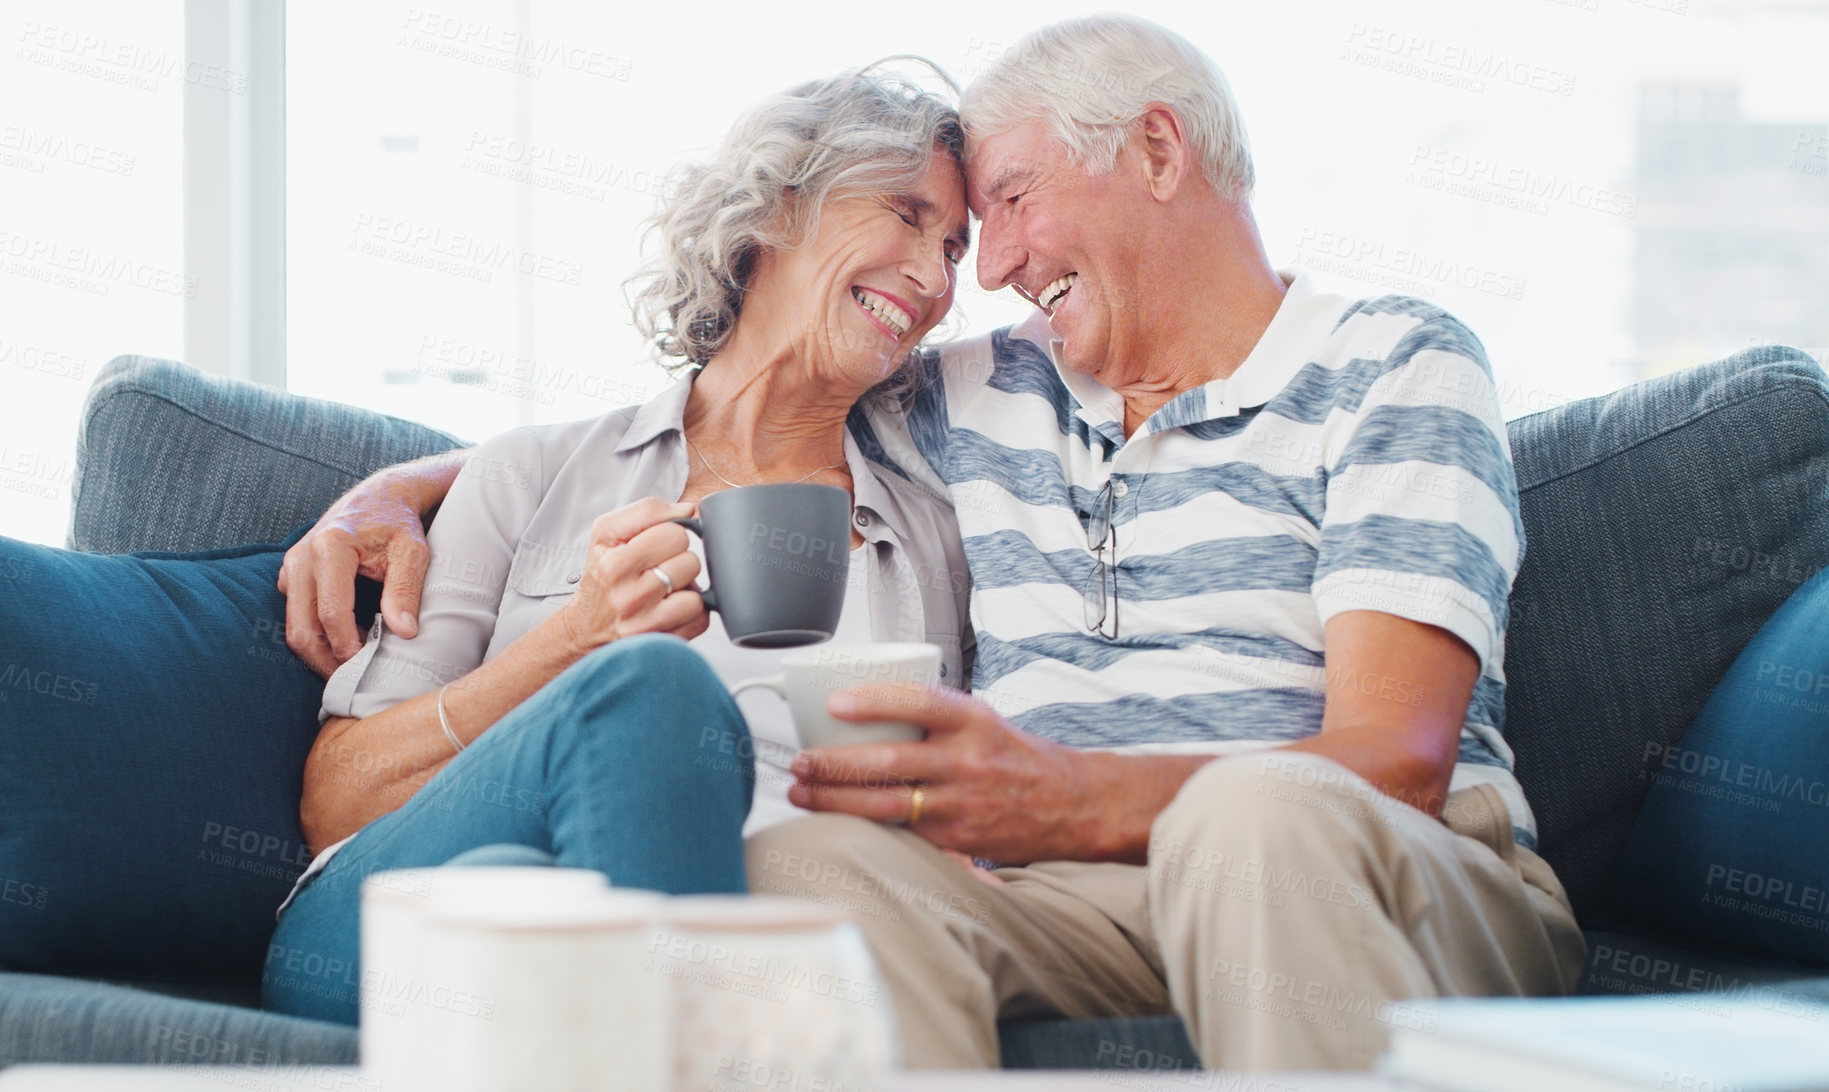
column 445, row 722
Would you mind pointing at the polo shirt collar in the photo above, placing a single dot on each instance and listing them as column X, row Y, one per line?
column 1302, row 323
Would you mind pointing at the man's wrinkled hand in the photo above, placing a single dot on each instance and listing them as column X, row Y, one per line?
column 375, row 531
column 988, row 788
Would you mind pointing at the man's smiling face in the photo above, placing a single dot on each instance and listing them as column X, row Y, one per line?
column 1058, row 235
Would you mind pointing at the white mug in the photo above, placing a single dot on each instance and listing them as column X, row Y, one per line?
column 546, row 993
column 772, row 992
column 398, row 1002
column 812, row 675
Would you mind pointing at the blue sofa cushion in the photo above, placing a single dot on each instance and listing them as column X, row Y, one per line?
column 1628, row 963
column 1733, row 838
column 1665, row 523
column 153, row 734
column 49, row 1019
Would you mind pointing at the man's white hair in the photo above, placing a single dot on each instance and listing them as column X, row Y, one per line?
column 1088, row 79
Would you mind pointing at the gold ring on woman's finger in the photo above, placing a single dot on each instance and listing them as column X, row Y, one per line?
column 915, row 803
column 666, row 581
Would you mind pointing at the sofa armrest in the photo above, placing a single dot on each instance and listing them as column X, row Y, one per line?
column 169, row 458
column 1666, row 522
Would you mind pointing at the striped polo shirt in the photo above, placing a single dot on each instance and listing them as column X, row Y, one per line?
column 1356, row 460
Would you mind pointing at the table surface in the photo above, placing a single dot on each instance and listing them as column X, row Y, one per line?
column 70, row 1078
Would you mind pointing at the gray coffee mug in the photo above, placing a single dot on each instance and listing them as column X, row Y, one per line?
column 776, row 559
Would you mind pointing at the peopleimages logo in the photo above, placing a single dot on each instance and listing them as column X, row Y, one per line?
column 1665, row 759
column 42, row 146
column 456, row 252
column 267, row 856
column 1514, row 186
column 506, row 50
column 33, row 358
column 1774, row 893
column 1359, row 256
column 1454, row 64
column 1786, row 677
column 783, row 540
column 122, row 62
column 46, row 683
column 553, row 167
column 85, row 268
column 757, row 965
column 19, row 893
column 1405, row 272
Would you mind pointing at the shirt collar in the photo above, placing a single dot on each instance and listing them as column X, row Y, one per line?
column 1303, row 321
column 870, row 493
column 664, row 413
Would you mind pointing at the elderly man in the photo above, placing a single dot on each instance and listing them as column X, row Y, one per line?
column 1241, row 555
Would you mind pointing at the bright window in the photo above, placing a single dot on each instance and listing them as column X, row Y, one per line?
column 91, row 256
column 1603, row 189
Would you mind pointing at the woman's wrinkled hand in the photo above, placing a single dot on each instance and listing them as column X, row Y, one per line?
column 619, row 594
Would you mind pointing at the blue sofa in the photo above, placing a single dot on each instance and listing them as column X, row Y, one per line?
column 1645, row 512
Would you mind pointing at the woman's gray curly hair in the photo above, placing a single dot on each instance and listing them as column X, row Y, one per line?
column 860, row 131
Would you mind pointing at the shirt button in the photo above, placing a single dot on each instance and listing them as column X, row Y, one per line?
column 943, row 671
column 1118, row 488
column 573, row 578
column 863, row 520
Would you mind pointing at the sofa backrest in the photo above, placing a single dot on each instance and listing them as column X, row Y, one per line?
column 171, row 458
column 1664, row 523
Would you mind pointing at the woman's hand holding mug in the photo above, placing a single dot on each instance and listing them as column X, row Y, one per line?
column 623, row 591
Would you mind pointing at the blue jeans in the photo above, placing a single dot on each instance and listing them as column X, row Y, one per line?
column 634, row 762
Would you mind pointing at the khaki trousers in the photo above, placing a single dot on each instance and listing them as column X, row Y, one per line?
column 1287, row 913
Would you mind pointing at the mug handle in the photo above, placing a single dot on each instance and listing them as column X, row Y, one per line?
column 777, row 683
column 691, row 523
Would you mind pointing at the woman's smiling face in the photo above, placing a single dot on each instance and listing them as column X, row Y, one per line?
column 873, row 279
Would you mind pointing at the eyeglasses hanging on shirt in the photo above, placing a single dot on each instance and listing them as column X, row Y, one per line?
column 1101, row 590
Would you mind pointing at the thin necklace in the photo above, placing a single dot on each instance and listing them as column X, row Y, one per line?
column 734, row 485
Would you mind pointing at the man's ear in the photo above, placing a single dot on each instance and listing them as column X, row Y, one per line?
column 1166, row 155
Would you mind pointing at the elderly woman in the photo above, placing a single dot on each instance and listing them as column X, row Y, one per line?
column 540, row 703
